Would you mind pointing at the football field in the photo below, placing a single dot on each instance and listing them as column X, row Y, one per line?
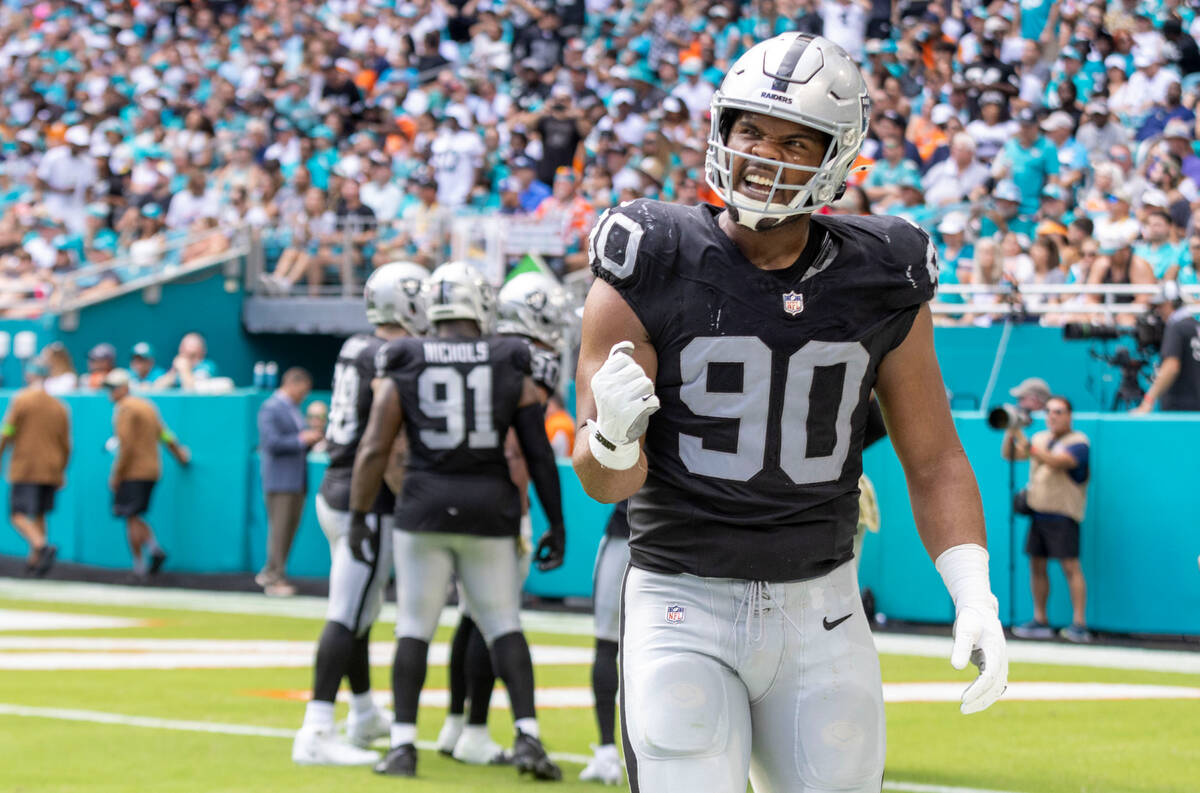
column 106, row 689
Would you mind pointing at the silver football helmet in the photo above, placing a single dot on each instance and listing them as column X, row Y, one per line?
column 393, row 296
column 456, row 290
column 796, row 77
column 534, row 305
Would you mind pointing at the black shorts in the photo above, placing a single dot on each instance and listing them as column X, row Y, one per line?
column 1052, row 537
column 30, row 498
column 132, row 497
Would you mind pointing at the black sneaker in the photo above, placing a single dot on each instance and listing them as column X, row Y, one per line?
column 156, row 561
column 399, row 761
column 529, row 756
column 45, row 560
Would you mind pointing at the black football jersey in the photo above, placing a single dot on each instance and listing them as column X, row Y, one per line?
column 545, row 367
column 764, row 377
column 459, row 397
column 349, row 408
column 618, row 521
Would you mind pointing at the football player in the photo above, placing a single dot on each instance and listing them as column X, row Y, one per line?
column 726, row 363
column 456, row 395
column 356, row 587
column 533, row 307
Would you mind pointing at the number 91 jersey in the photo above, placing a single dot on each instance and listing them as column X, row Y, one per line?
column 459, row 397
column 764, row 379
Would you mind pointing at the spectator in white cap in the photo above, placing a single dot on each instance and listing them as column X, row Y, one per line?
column 1098, row 133
column 1118, row 265
column 1169, row 112
column 1072, row 156
column 954, row 253
column 695, row 93
column 1149, row 83
column 993, row 127
column 1005, row 215
column 954, row 179
column 64, row 175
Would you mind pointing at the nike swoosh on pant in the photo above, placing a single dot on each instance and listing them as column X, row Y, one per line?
column 831, row 625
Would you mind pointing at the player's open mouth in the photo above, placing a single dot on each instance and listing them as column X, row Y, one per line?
column 757, row 185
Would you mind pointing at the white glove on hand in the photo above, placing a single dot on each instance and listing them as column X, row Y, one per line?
column 625, row 400
column 978, row 635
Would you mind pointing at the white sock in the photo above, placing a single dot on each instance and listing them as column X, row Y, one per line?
column 527, row 726
column 139, row 564
column 455, row 720
column 361, row 705
column 607, row 751
column 403, row 733
column 475, row 732
column 152, row 546
column 319, row 715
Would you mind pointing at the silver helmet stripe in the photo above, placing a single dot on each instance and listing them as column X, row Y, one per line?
column 788, row 64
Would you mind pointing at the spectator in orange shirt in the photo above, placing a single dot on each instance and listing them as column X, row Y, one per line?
column 577, row 215
column 38, row 429
column 137, row 469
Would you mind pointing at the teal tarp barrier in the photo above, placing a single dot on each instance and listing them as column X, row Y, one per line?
column 1140, row 538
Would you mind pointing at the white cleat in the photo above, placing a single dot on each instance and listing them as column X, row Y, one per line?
column 476, row 747
column 364, row 732
column 323, row 747
column 451, row 730
column 605, row 767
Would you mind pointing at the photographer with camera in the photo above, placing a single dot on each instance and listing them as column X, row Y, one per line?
column 1055, row 499
column 1177, row 384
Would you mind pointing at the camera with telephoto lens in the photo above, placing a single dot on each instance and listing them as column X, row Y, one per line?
column 1147, row 332
column 1005, row 416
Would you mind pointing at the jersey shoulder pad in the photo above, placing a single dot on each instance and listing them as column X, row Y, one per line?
column 630, row 239
column 514, row 350
column 394, row 355
column 367, row 351
column 890, row 253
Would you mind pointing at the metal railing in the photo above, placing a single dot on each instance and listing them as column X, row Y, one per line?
column 1037, row 300
column 124, row 274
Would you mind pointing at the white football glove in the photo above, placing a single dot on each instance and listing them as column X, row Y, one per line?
column 978, row 635
column 625, row 400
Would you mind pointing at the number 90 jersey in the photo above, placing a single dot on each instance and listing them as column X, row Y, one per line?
column 764, row 379
column 459, row 397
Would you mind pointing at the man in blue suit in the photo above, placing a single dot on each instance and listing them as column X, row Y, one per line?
column 283, row 443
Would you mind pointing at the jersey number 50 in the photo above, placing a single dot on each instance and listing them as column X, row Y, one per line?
column 751, row 407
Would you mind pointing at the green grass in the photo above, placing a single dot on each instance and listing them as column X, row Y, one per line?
column 1030, row 747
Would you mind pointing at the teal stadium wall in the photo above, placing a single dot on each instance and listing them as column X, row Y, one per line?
column 1140, row 538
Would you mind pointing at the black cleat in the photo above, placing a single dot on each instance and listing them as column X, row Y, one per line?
column 45, row 560
column 529, row 756
column 399, row 761
column 156, row 561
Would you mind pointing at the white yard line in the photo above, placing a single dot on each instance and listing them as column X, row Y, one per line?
column 301, row 606
column 1055, row 653
column 99, row 717
column 70, row 652
column 13, row 620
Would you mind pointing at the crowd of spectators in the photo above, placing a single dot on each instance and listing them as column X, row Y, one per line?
column 189, row 370
column 1041, row 142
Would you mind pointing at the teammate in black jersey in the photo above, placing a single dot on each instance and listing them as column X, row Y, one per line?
column 760, row 330
column 456, row 395
column 356, row 587
column 532, row 307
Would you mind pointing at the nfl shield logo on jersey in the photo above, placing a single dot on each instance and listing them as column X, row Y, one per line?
column 674, row 613
column 793, row 303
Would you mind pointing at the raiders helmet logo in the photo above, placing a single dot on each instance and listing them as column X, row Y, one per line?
column 793, row 303
column 536, row 300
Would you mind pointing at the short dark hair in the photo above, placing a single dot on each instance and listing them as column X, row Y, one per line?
column 1063, row 399
column 296, row 374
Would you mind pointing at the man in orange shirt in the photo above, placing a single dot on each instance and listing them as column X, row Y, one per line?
column 137, row 469
column 38, row 429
